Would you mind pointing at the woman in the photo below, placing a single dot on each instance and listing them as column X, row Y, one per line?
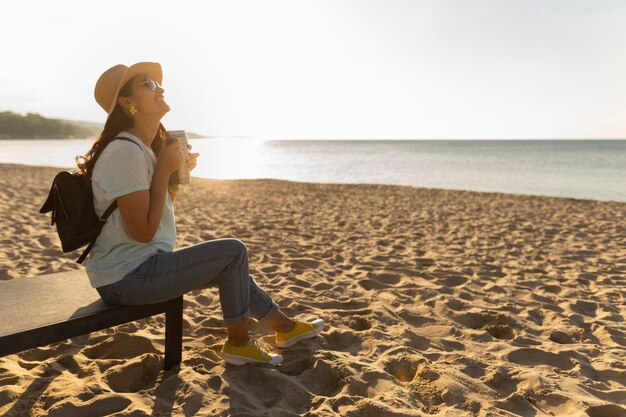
column 133, row 261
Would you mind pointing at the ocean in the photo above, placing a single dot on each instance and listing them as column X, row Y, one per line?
column 585, row 169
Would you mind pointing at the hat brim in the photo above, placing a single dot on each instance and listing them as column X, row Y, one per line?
column 151, row 69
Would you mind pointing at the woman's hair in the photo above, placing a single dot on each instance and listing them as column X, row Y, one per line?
column 117, row 122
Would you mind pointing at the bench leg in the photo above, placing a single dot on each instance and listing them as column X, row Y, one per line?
column 174, row 333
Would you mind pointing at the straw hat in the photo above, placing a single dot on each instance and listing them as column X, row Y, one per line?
column 112, row 80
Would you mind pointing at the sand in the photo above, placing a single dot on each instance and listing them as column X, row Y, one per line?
column 437, row 303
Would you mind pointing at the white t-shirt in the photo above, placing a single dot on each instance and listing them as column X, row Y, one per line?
column 122, row 168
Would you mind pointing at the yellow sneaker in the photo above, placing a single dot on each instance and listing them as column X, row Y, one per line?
column 248, row 353
column 302, row 330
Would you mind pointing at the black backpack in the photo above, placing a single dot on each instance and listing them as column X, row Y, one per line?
column 71, row 202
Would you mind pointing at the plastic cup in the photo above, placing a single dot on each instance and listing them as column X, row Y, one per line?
column 181, row 175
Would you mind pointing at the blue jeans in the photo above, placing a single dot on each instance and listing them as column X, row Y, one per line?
column 167, row 275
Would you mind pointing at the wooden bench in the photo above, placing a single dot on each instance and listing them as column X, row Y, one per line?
column 45, row 309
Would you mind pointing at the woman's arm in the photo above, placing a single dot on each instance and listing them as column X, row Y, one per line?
column 142, row 210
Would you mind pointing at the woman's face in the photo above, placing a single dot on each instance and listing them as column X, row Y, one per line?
column 148, row 96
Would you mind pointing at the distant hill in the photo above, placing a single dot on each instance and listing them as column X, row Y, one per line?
column 35, row 126
column 96, row 128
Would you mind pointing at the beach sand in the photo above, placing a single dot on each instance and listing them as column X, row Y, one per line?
column 437, row 303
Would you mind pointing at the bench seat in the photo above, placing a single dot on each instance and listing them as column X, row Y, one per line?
column 45, row 309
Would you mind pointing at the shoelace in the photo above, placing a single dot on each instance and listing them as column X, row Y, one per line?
column 256, row 344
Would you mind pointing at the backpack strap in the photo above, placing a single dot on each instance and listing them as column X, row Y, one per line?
column 102, row 220
column 105, row 215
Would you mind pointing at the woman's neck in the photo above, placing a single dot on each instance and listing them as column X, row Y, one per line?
column 144, row 131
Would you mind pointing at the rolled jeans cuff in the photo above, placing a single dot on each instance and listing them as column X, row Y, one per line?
column 270, row 313
column 237, row 319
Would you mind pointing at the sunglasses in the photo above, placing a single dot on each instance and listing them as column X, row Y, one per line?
column 152, row 85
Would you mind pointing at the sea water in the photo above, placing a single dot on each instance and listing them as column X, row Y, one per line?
column 587, row 169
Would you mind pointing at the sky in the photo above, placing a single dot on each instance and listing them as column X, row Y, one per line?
column 333, row 69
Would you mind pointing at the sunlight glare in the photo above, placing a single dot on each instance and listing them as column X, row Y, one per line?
column 227, row 157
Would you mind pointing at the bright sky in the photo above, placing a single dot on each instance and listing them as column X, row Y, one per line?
column 333, row 69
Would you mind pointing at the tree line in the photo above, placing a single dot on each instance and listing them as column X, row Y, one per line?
column 35, row 126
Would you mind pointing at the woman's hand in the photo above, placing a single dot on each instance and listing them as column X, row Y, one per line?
column 170, row 158
column 191, row 162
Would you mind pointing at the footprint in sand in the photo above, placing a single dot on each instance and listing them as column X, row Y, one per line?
column 46, row 242
column 322, row 286
column 370, row 284
column 271, row 268
column 413, row 318
column 343, row 341
column 457, row 305
column 419, row 378
column 500, row 331
column 609, row 336
column 525, row 341
column 120, row 346
column 554, row 289
column 502, row 379
column 496, row 324
column 536, row 316
column 41, row 354
column 297, row 365
column 403, row 368
column 563, row 338
column 415, row 340
column 268, row 387
column 304, row 263
column 204, row 361
column 101, row 406
column 69, row 363
column 384, row 278
column 135, row 375
column 555, row 404
column 359, row 323
column 472, row 367
column 322, row 379
column 533, row 357
column 452, row 280
column 588, row 308
column 606, row 410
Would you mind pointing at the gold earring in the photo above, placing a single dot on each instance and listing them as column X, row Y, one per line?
column 133, row 110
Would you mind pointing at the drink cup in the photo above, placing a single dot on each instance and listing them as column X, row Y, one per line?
column 181, row 175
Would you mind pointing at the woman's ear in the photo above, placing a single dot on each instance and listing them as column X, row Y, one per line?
column 124, row 102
